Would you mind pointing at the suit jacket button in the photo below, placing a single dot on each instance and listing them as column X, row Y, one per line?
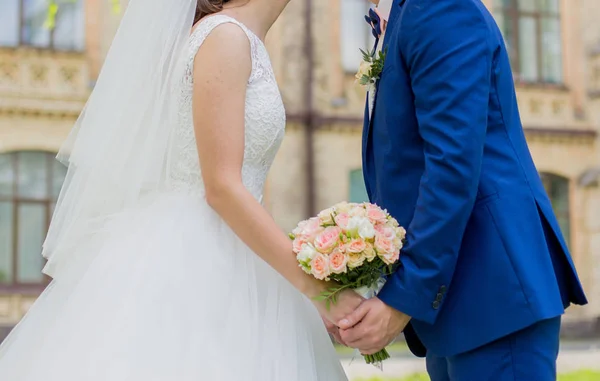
column 439, row 297
column 436, row 305
column 443, row 289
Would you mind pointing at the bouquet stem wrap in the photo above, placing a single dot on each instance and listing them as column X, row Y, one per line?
column 369, row 292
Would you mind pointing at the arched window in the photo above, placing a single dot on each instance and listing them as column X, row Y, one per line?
column 30, row 182
column 24, row 22
column 558, row 191
column 358, row 192
column 531, row 30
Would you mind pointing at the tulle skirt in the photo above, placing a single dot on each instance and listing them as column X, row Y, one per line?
column 167, row 292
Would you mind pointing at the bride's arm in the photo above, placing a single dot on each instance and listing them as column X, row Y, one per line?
column 221, row 73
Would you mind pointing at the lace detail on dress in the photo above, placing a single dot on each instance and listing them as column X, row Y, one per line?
column 264, row 118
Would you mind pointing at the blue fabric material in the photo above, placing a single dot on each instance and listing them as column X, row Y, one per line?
column 526, row 355
column 445, row 153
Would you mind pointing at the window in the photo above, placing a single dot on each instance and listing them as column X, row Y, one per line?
column 23, row 22
column 355, row 33
column 531, row 30
column 29, row 186
column 358, row 191
column 557, row 188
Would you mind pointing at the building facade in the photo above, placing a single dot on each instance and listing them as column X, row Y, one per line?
column 45, row 78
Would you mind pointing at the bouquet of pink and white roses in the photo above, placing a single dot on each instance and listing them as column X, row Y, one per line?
column 353, row 245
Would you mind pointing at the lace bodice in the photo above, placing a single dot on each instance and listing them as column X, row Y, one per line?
column 264, row 118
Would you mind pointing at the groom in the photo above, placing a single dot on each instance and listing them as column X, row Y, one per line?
column 486, row 273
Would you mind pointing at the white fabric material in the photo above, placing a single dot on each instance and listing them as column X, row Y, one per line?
column 165, row 291
column 384, row 7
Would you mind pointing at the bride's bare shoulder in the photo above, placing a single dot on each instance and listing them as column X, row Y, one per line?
column 222, row 41
column 224, row 56
column 225, row 44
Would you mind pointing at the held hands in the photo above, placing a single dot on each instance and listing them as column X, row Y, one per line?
column 333, row 330
column 346, row 303
column 372, row 326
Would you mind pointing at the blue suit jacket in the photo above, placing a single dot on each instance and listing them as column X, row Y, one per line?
column 445, row 154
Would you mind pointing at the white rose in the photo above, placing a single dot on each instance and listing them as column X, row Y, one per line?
column 362, row 226
column 363, row 70
column 366, row 230
column 354, row 224
column 306, row 254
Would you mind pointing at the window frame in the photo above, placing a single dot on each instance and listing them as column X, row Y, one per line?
column 51, row 44
column 513, row 14
column 15, row 200
column 551, row 181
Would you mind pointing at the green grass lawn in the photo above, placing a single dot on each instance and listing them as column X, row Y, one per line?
column 583, row 375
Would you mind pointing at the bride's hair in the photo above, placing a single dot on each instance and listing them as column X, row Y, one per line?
column 208, row 7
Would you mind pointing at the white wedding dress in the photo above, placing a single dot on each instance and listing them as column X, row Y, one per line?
column 167, row 292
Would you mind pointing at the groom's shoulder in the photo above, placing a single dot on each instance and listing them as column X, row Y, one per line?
column 432, row 9
column 464, row 16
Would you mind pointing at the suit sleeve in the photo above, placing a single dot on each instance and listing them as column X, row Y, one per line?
column 446, row 46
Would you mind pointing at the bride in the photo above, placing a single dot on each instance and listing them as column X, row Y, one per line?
column 165, row 265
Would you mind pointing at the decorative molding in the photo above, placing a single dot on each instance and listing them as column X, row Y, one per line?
column 39, row 114
column 562, row 132
column 545, row 86
column 556, row 135
column 343, row 123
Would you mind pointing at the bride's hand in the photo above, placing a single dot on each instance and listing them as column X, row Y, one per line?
column 347, row 301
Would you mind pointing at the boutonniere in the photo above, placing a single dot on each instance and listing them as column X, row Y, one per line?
column 370, row 69
column 378, row 23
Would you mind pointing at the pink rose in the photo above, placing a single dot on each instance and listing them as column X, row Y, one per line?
column 383, row 245
column 358, row 211
column 376, row 214
column 298, row 242
column 388, row 233
column 338, row 262
column 312, row 228
column 327, row 240
column 390, row 258
column 356, row 246
column 319, row 266
column 342, row 220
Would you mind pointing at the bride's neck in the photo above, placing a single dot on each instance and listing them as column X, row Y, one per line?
column 260, row 15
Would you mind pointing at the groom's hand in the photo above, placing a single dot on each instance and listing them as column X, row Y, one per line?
column 372, row 326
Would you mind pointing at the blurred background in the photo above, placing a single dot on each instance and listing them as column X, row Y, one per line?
column 51, row 53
